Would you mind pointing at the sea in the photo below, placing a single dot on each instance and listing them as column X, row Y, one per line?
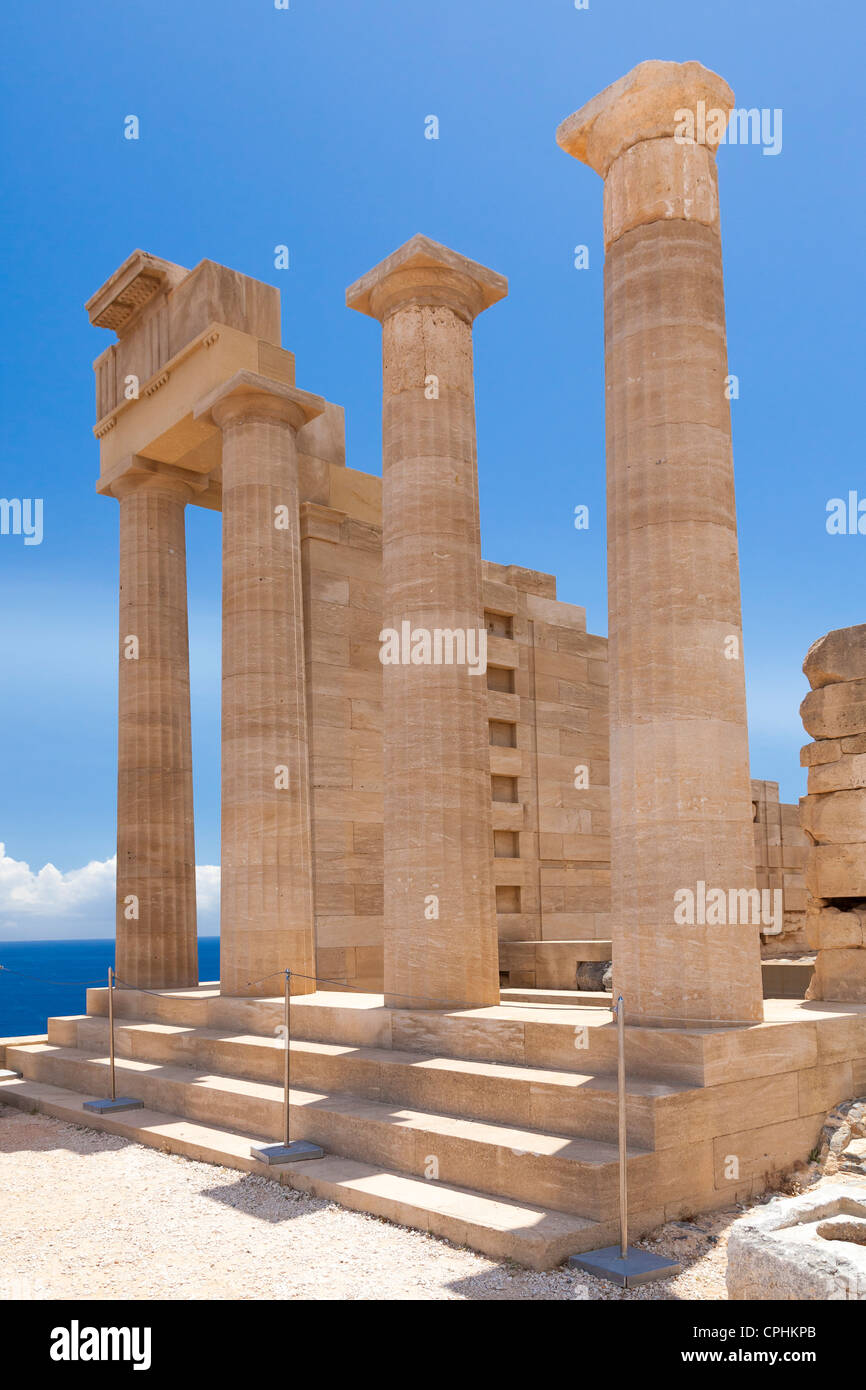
column 46, row 979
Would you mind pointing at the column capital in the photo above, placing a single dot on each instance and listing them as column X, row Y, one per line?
column 136, row 473
column 422, row 271
column 646, row 104
column 249, row 396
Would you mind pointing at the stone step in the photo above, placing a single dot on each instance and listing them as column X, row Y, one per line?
column 563, row 998
column 573, row 1103
column 13, row 1042
column 532, row 1235
column 563, row 1172
column 580, row 1038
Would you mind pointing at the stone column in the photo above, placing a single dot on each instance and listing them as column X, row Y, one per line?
column 680, row 791
column 440, row 910
column 156, row 914
column 266, row 907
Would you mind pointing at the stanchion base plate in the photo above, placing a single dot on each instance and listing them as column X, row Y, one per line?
column 638, row 1267
column 297, row 1152
column 102, row 1107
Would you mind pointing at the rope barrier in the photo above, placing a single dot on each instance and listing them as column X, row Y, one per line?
column 139, row 989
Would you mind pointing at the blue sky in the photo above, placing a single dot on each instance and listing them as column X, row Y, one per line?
column 305, row 126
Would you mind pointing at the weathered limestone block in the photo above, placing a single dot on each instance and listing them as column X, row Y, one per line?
column 836, row 817
column 835, row 711
column 829, row 929
column 844, row 773
column 795, row 1248
column 837, row 871
column 838, row 656
column 843, row 1139
column 839, row 975
column 825, row 750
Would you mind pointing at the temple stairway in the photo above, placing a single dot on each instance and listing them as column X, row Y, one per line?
column 494, row 1127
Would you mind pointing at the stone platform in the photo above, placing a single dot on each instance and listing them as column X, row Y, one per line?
column 495, row 1127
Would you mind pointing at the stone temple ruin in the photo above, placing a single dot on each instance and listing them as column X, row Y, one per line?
column 435, row 849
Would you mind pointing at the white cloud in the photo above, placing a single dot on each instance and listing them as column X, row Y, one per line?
column 47, row 903
column 207, row 889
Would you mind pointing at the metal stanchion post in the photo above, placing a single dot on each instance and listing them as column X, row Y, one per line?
column 111, row 1031
column 290, row 1151
column 102, row 1107
column 623, row 1264
column 622, row 1128
column 287, row 1063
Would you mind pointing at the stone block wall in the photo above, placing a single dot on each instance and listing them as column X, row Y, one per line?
column 781, row 847
column 834, row 813
column 547, row 682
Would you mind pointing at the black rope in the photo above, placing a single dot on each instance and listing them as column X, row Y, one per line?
column 139, row 989
column 272, row 976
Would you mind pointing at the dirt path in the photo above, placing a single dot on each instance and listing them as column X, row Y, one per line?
column 88, row 1215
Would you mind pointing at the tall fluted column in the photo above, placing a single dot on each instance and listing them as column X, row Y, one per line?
column 156, row 913
column 440, row 912
column 680, row 791
column 266, row 909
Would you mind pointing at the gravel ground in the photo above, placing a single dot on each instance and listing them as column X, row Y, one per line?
column 90, row 1216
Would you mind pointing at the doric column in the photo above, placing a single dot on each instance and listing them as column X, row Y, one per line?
column 266, row 909
column 440, row 912
column 156, row 914
column 680, row 790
